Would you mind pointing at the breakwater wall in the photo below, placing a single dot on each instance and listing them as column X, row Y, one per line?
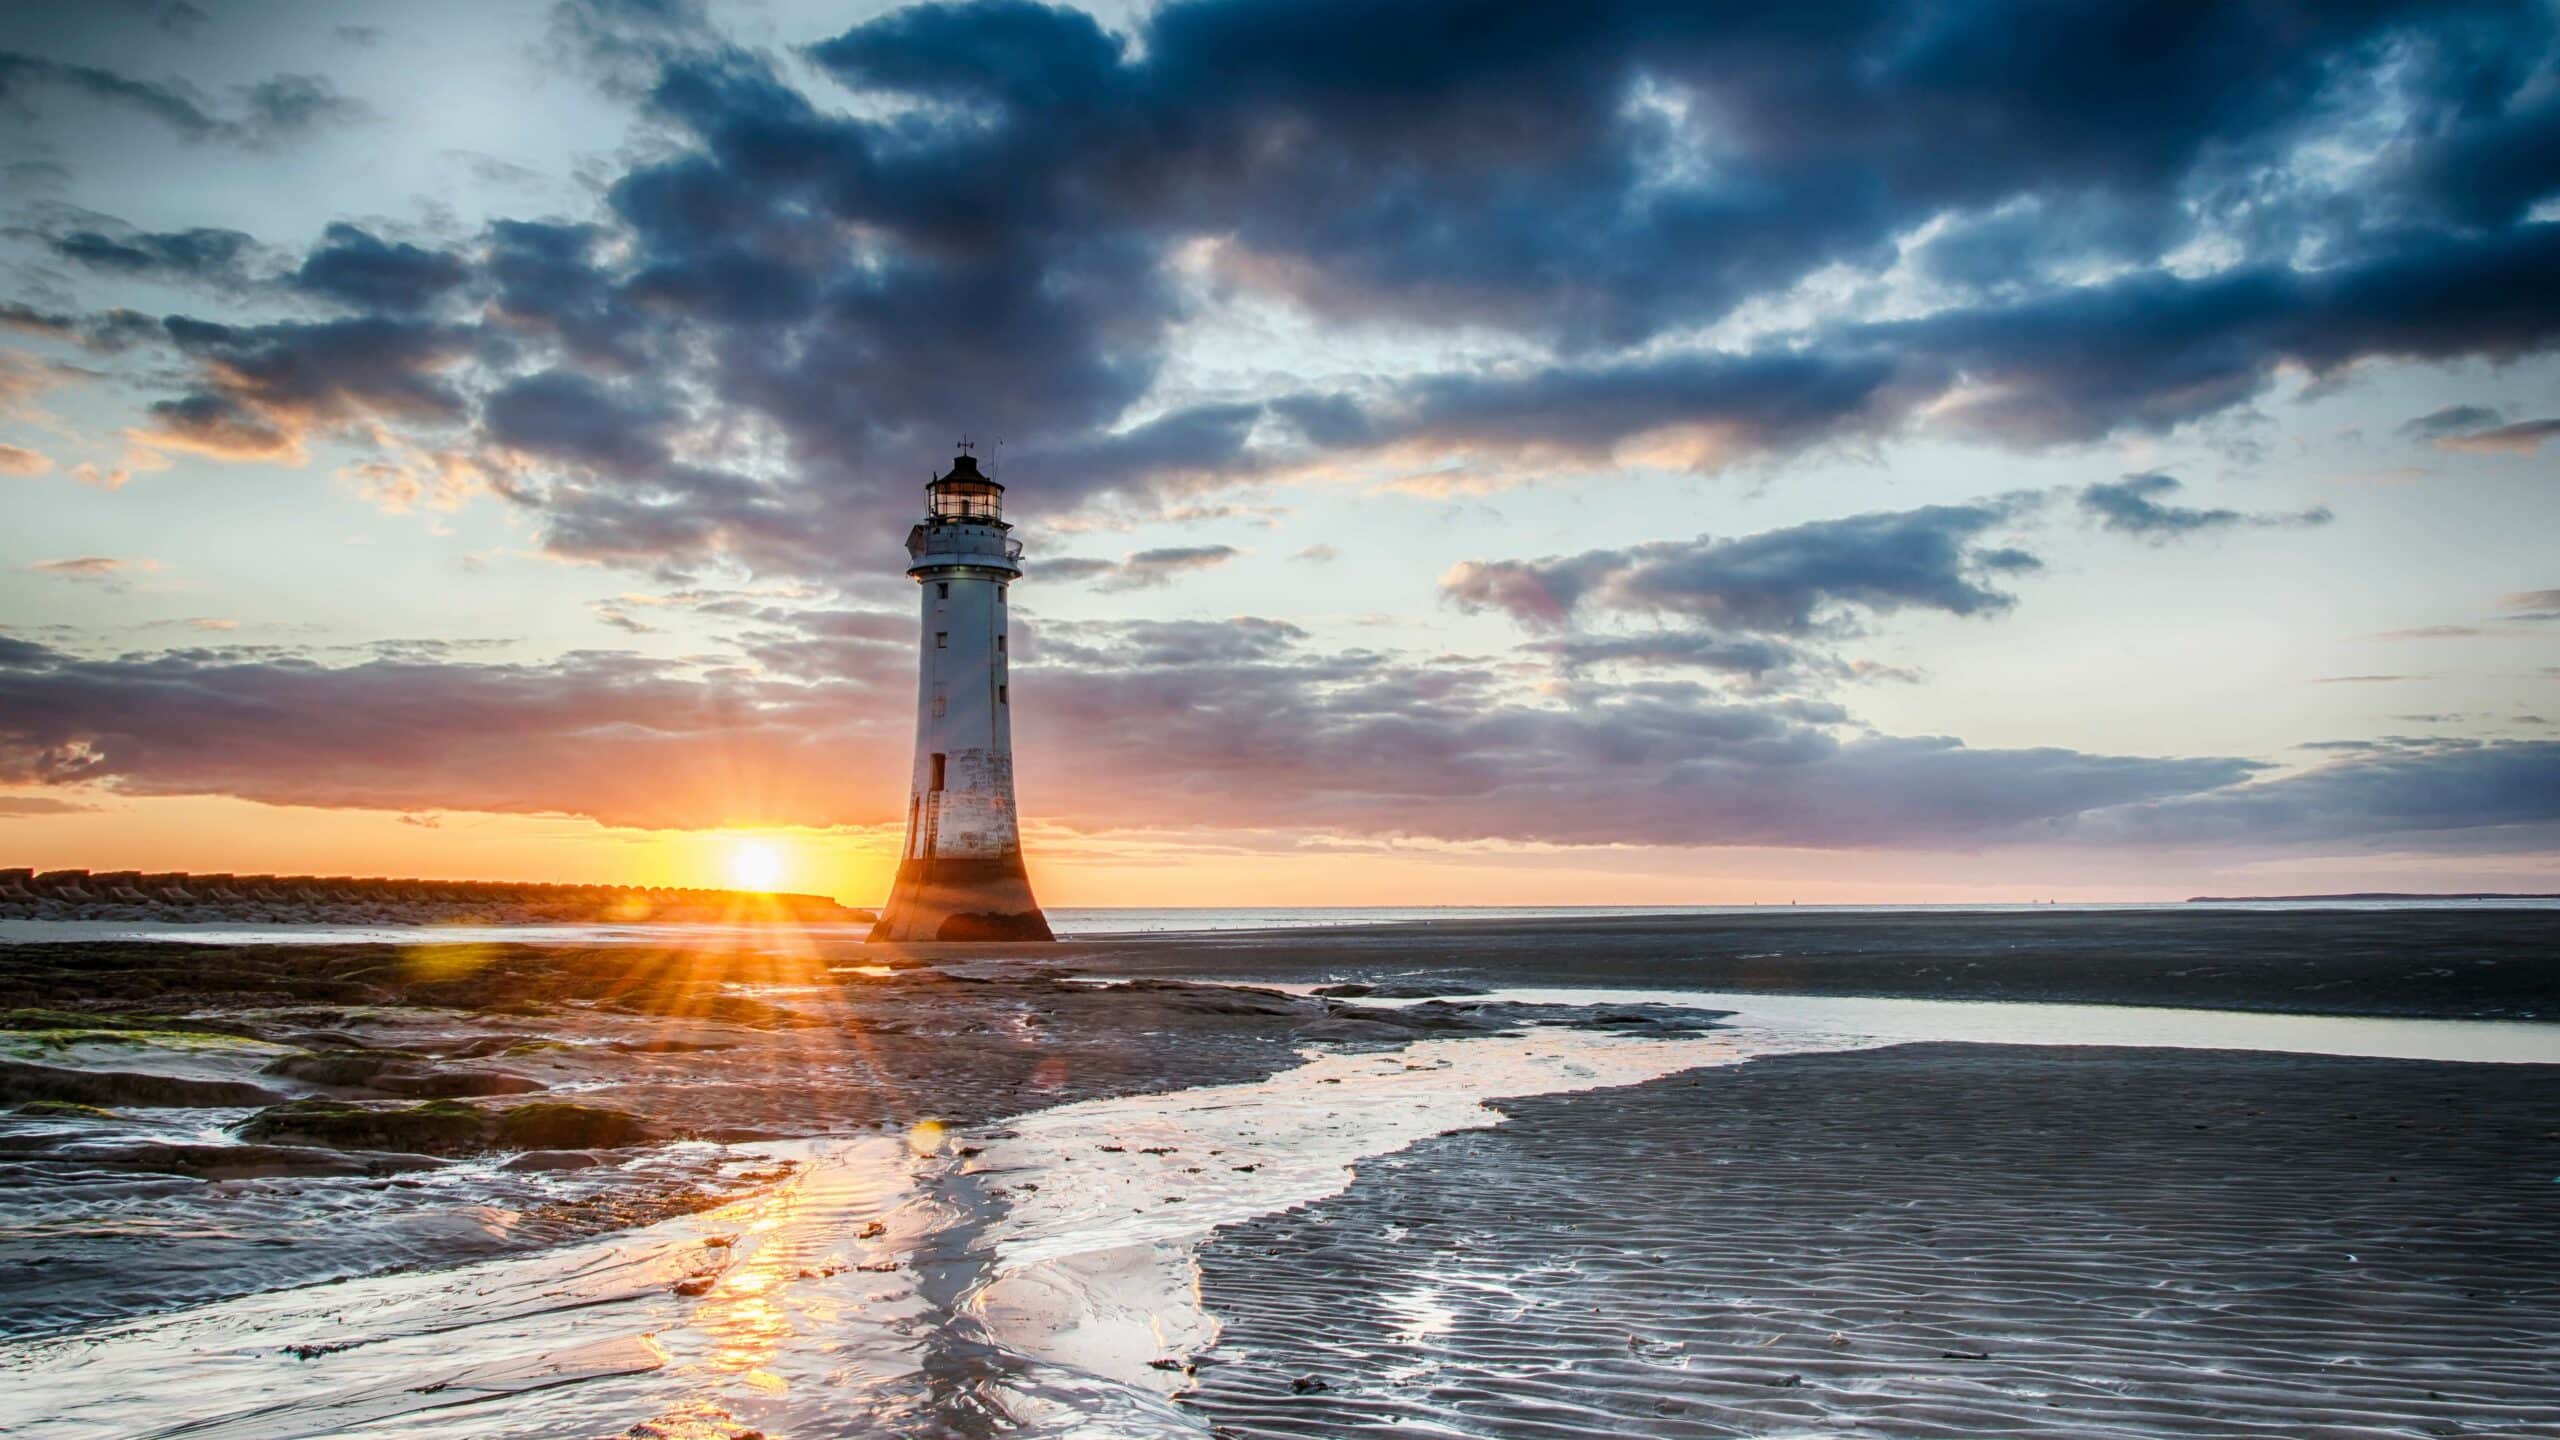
column 183, row 898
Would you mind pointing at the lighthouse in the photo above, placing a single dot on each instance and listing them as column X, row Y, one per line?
column 960, row 876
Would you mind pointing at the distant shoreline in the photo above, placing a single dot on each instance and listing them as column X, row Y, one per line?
column 2376, row 960
column 2371, row 895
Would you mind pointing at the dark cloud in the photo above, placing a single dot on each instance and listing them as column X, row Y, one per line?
column 22, row 74
column 359, row 270
column 282, row 107
column 2481, row 430
column 1754, row 657
column 1739, row 405
column 1149, row 569
column 833, row 644
column 2146, row 353
column 614, row 489
column 2487, row 165
column 2153, row 351
column 2402, row 788
column 263, row 388
column 1015, row 222
column 614, row 737
column 2451, row 420
column 691, row 516
column 1002, row 234
column 1222, row 721
column 549, row 283
column 1243, row 720
column 2134, row 506
column 2525, row 437
column 105, row 332
column 1489, row 166
column 563, row 415
column 202, row 256
column 1166, row 453
column 221, row 425
column 1802, row 580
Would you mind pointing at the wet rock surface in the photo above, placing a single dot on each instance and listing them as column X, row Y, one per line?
column 20, row 1081
column 222, row 1162
column 396, row 1072
column 445, row 1127
column 1398, row 990
column 180, row 1106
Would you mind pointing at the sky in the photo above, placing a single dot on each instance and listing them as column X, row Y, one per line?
column 1631, row 452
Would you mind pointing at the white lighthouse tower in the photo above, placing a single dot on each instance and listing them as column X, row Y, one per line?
column 960, row 876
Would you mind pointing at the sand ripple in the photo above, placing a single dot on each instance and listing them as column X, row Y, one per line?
column 1954, row 1241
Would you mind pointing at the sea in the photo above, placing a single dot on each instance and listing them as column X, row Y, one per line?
column 1095, row 922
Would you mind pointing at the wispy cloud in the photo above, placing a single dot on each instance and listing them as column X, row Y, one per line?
column 93, row 567
column 1140, row 569
column 2532, row 605
column 2138, row 505
column 2481, row 430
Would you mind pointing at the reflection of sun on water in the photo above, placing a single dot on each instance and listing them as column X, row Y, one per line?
column 755, row 865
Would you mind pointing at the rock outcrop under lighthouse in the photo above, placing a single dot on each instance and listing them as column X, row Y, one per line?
column 960, row 876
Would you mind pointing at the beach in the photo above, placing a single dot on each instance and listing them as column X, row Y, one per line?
column 1662, row 1175
column 1929, row 1241
column 2480, row 962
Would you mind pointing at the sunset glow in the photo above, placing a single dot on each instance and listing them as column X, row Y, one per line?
column 755, row 865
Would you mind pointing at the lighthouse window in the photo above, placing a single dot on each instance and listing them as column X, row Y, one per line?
column 1000, row 696
column 999, row 594
column 937, row 772
column 941, row 639
column 999, row 643
column 941, row 589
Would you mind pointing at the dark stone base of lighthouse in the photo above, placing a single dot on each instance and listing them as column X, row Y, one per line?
column 970, row 900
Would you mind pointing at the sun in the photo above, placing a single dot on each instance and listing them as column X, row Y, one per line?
column 755, row 865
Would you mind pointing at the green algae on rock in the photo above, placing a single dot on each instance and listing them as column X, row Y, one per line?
column 64, row 1110
column 445, row 1127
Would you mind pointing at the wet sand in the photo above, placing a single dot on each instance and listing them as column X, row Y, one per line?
column 2468, row 963
column 1924, row 1241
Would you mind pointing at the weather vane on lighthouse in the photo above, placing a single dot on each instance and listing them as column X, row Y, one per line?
column 960, row 876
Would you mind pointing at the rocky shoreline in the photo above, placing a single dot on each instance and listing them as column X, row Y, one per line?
column 428, row 1103
column 180, row 898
